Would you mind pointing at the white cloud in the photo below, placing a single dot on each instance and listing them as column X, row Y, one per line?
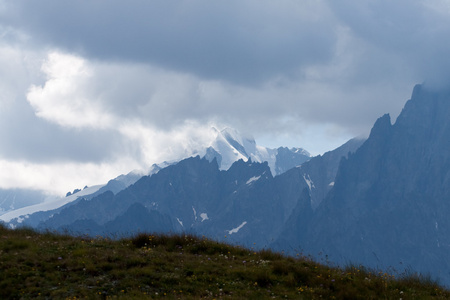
column 64, row 98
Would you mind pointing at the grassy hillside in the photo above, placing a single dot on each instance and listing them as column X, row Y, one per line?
column 34, row 265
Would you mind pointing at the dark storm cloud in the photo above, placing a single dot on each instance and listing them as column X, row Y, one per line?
column 412, row 34
column 239, row 41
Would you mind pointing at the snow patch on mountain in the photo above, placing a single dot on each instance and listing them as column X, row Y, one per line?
column 236, row 230
column 230, row 146
column 251, row 180
column 195, row 213
column 204, row 216
column 11, row 199
column 51, row 203
column 309, row 182
column 21, row 219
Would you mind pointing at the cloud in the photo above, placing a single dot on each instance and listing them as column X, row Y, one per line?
column 141, row 147
column 237, row 41
column 401, row 37
column 26, row 137
column 79, row 93
column 64, row 98
column 58, row 178
column 92, row 83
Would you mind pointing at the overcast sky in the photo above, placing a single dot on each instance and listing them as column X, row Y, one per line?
column 93, row 89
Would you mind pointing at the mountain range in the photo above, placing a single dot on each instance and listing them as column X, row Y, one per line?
column 195, row 196
column 382, row 202
column 226, row 147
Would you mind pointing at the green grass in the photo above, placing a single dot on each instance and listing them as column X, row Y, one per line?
column 50, row 266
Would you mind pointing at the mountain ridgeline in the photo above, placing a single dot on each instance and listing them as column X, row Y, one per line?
column 226, row 147
column 390, row 204
column 244, row 204
column 383, row 202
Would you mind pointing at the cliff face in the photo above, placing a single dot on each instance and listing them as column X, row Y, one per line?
column 390, row 204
